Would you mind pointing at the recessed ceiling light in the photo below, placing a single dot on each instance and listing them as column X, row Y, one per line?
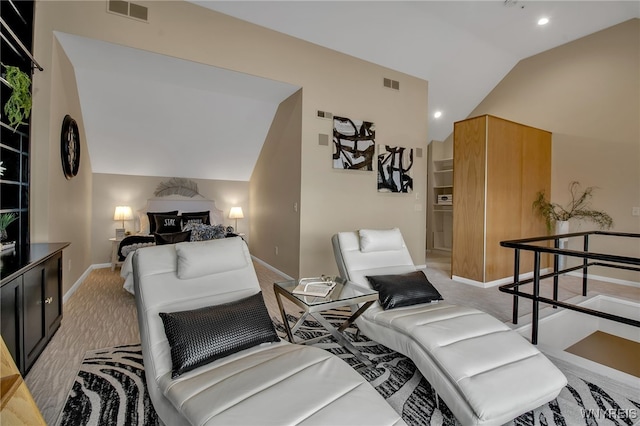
column 543, row 21
column 437, row 114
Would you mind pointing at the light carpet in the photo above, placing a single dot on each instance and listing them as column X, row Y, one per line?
column 110, row 389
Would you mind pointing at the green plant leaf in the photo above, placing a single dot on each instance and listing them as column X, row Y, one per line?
column 6, row 219
column 18, row 106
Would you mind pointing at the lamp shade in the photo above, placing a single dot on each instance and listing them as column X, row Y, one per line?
column 236, row 213
column 123, row 213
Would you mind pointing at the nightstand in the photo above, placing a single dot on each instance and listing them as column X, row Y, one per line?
column 115, row 243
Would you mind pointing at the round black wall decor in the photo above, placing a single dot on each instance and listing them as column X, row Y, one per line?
column 70, row 147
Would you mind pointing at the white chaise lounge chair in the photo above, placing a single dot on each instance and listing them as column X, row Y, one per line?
column 268, row 383
column 486, row 373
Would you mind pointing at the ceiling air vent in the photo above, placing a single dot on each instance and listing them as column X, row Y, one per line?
column 125, row 8
column 392, row 84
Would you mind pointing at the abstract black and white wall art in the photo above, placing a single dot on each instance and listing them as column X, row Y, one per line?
column 353, row 144
column 394, row 167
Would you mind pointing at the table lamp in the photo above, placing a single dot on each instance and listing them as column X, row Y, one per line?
column 122, row 213
column 236, row 213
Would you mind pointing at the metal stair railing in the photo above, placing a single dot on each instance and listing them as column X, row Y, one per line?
column 588, row 259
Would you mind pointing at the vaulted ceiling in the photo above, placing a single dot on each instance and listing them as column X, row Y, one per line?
column 463, row 48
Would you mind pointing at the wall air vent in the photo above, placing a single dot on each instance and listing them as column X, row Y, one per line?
column 325, row 114
column 126, row 8
column 391, row 84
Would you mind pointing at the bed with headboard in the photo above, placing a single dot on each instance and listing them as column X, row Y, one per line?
column 169, row 220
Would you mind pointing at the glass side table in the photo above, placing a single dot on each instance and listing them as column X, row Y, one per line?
column 344, row 294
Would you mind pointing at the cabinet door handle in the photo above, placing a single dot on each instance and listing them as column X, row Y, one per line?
column 48, row 300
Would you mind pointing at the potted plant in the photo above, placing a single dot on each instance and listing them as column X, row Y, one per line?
column 18, row 106
column 5, row 220
column 578, row 208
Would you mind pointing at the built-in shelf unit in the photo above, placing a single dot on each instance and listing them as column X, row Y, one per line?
column 443, row 204
column 16, row 26
column 440, row 203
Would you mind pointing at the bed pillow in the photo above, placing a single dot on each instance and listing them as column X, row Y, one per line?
column 152, row 219
column 172, row 238
column 202, row 232
column 380, row 240
column 204, row 335
column 196, row 217
column 395, row 291
column 167, row 223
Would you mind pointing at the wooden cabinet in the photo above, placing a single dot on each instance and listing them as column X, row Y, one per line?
column 499, row 166
column 31, row 301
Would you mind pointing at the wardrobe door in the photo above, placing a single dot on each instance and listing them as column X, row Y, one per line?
column 10, row 317
column 35, row 331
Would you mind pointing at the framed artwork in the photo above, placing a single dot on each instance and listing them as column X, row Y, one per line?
column 353, row 144
column 394, row 169
column 120, row 233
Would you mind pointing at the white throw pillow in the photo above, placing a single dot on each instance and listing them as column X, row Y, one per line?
column 143, row 219
column 198, row 259
column 380, row 240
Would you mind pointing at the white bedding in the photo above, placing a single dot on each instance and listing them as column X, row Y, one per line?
column 126, row 272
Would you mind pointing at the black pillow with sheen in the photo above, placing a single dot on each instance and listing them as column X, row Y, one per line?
column 152, row 219
column 395, row 291
column 196, row 217
column 204, row 335
column 172, row 238
column 167, row 223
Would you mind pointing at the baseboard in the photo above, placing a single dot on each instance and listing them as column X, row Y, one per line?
column 508, row 280
column 81, row 279
column 495, row 283
column 266, row 265
column 605, row 279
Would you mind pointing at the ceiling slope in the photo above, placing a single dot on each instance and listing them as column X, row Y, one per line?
column 143, row 117
column 463, row 48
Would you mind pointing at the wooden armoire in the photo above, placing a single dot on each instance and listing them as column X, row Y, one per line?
column 499, row 167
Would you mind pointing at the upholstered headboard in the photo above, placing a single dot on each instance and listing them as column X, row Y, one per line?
column 182, row 204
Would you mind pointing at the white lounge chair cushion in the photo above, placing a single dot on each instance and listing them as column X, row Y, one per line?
column 380, row 240
column 485, row 372
column 277, row 384
column 196, row 259
column 476, row 352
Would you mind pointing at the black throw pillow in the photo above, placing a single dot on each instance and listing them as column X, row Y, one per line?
column 167, row 223
column 203, row 335
column 196, row 217
column 395, row 291
column 152, row 219
column 172, row 238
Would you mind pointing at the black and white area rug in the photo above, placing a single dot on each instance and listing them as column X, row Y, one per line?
column 110, row 389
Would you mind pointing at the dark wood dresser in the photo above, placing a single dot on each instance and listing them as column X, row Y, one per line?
column 30, row 300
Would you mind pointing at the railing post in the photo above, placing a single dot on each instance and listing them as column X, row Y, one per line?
column 584, row 265
column 556, row 265
column 516, row 278
column 536, row 294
